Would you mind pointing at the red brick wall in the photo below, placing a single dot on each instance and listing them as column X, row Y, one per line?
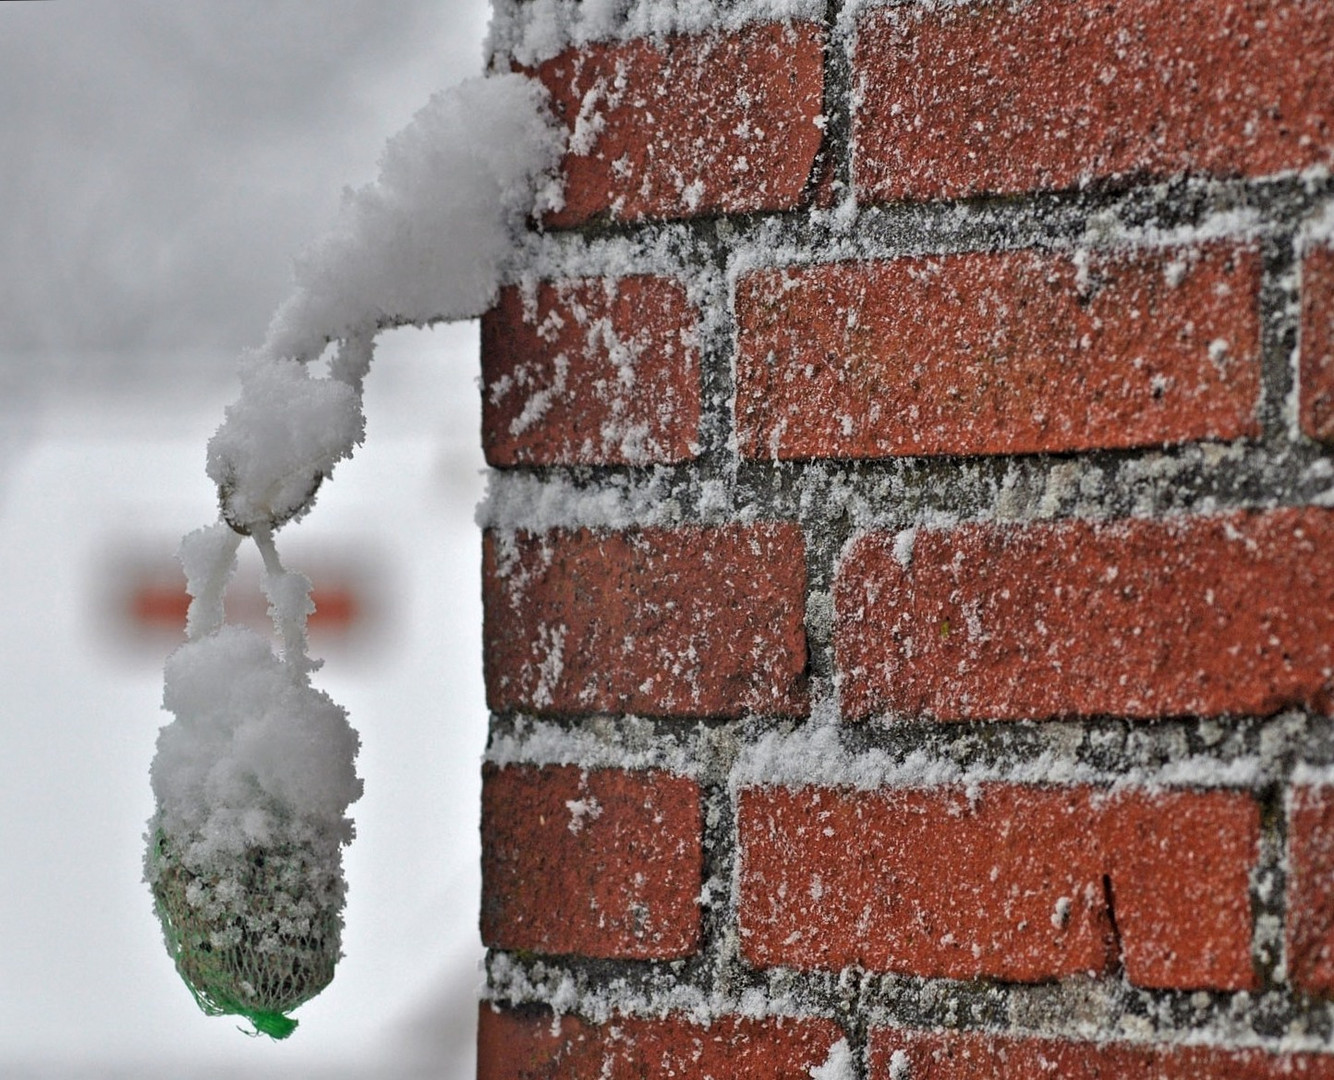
column 909, row 564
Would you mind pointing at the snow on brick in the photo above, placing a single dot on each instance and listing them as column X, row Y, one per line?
column 977, row 1055
column 603, row 863
column 960, row 100
column 686, row 622
column 1316, row 369
column 1013, row 882
column 1209, row 615
column 601, row 372
column 535, row 1045
column 695, row 125
column 1310, row 915
column 998, row 353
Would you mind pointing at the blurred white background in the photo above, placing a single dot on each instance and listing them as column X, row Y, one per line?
column 163, row 164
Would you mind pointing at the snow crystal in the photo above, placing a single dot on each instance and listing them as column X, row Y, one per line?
column 1319, row 229
column 580, row 809
column 903, row 545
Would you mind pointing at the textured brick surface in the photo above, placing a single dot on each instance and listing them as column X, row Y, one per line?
column 996, row 353
column 603, row 863
column 527, row 1046
column 1011, row 882
column 1047, row 278
column 963, row 1055
column 1209, row 615
column 689, row 622
column 1316, row 372
column 1179, row 866
column 1310, row 908
column 994, row 98
column 597, row 372
column 694, row 125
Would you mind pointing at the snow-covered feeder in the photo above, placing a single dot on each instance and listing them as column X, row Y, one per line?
column 253, row 778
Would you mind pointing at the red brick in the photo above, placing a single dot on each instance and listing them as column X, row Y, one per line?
column 685, row 622
column 998, row 353
column 1203, row 615
column 1310, row 907
column 1179, row 866
column 988, row 98
column 1316, row 373
column 975, row 1055
column 603, row 863
column 903, row 881
column 531, row 1045
column 696, row 125
column 598, row 372
column 1005, row 881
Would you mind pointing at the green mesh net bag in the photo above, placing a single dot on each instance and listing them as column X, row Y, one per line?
column 256, row 935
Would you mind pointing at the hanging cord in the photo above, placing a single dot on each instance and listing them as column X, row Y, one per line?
column 290, row 604
column 208, row 557
column 317, row 428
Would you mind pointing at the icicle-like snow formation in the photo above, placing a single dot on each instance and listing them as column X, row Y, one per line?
column 254, row 776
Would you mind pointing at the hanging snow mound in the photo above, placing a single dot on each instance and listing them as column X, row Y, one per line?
column 252, row 750
column 429, row 239
column 253, row 779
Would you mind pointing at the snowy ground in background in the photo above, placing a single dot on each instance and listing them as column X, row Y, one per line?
column 86, row 988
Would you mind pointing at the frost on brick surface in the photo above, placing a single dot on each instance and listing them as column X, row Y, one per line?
column 536, row 30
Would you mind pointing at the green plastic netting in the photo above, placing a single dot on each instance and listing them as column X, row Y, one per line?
column 256, row 934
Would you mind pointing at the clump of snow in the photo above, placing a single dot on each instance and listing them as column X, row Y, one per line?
column 429, row 240
column 838, row 1065
column 1319, row 229
column 580, row 809
column 253, row 754
column 208, row 557
column 904, row 540
column 431, row 237
column 279, row 440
